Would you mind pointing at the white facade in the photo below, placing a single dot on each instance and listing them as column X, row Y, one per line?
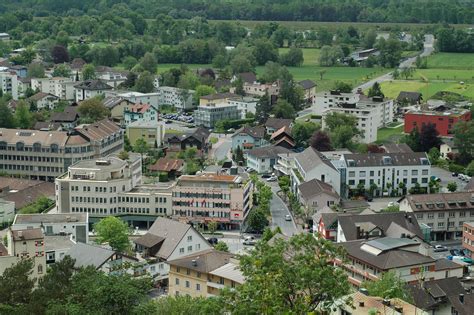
column 178, row 98
column 329, row 99
column 60, row 87
column 209, row 114
column 136, row 97
column 83, row 94
column 244, row 105
column 140, row 113
column 9, row 83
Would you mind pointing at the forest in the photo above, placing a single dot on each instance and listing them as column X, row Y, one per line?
column 401, row 11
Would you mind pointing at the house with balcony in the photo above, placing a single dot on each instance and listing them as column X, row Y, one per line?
column 311, row 164
column 204, row 274
column 263, row 159
column 285, row 163
column 168, row 240
column 249, row 137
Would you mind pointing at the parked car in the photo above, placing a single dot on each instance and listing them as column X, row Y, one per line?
column 455, row 174
column 272, row 179
column 287, row 217
column 435, row 178
column 212, row 240
column 455, row 252
column 249, row 240
column 266, row 176
column 440, row 248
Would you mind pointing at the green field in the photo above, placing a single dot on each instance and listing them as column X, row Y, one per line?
column 428, row 89
column 310, row 55
column 389, row 134
column 451, row 61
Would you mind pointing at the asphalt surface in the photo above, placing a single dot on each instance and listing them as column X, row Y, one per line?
column 446, row 177
column 222, row 148
column 278, row 211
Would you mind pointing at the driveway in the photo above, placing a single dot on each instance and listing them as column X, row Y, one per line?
column 446, row 177
column 278, row 211
column 221, row 149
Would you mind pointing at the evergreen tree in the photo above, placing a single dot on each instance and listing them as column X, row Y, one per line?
column 263, row 109
column 429, row 138
column 23, row 115
column 7, row 119
column 376, row 90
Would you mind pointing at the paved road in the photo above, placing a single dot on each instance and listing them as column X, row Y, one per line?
column 279, row 210
column 446, row 177
column 221, row 149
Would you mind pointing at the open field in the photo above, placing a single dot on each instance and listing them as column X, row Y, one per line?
column 310, row 55
column 444, row 74
column 389, row 134
column 451, row 61
column 391, row 89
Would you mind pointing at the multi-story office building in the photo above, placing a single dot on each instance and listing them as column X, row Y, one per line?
column 9, row 83
column 181, row 99
column 208, row 197
column 245, row 105
column 444, row 213
column 111, row 186
column 45, row 155
column 443, row 121
column 371, row 113
column 330, row 99
column 386, row 173
column 259, row 89
column 152, row 132
column 209, row 114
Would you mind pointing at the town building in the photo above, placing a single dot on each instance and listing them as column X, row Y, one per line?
column 444, row 213
column 56, row 247
column 90, row 88
column 273, row 124
column 407, row 258
column 59, row 149
column 73, row 225
column 181, row 99
column 198, row 139
column 285, row 163
column 19, row 193
column 448, row 149
column 207, row 197
column 153, row 132
column 9, row 83
column 258, row 89
column 63, row 88
column 4, row 37
column 283, row 138
column 468, row 238
column 43, row 100
column 444, row 121
column 330, row 99
column 363, row 55
column 7, row 211
column 246, row 105
column 315, row 195
column 25, row 244
column 173, row 168
column 111, row 76
column 167, row 240
column 117, row 106
column 263, row 159
column 204, row 274
column 371, row 113
column 309, row 90
column 23, row 85
column 310, row 164
column 154, row 99
column 66, row 119
column 249, row 137
column 140, row 112
column 215, row 107
column 409, row 98
column 111, row 186
column 386, row 173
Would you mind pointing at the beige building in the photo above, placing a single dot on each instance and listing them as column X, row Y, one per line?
column 208, row 197
column 45, row 155
column 25, row 244
column 111, row 186
column 152, row 132
column 117, row 106
column 204, row 274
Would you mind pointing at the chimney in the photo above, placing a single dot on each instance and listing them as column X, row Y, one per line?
column 194, row 262
column 461, row 298
column 386, row 302
column 358, row 231
column 361, row 303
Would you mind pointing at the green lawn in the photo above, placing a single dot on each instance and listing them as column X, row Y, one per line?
column 389, row 134
column 310, row 55
column 428, row 89
column 444, row 74
column 451, row 61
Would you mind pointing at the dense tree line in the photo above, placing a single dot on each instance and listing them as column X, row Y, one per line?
column 450, row 40
column 412, row 11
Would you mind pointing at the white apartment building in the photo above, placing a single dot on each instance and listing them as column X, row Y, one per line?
column 57, row 86
column 386, row 173
column 90, row 88
column 75, row 225
column 371, row 115
column 141, row 112
column 9, row 83
column 329, row 99
column 111, row 186
column 259, row 89
column 208, row 114
column 154, row 99
column 181, row 99
column 244, row 105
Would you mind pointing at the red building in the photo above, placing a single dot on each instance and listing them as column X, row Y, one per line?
column 444, row 121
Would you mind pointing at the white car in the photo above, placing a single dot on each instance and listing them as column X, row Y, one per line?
column 287, row 217
column 249, row 240
column 272, row 179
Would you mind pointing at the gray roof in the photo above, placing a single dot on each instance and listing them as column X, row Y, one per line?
column 387, row 259
column 315, row 187
column 50, row 218
column 203, row 261
column 310, row 158
column 385, row 159
column 112, row 101
column 149, row 240
column 57, row 242
column 89, row 255
column 446, row 264
column 268, row 151
column 441, row 201
column 411, row 96
column 248, row 77
column 397, row 148
column 383, row 221
column 255, row 132
column 278, row 123
column 93, row 85
column 307, row 84
column 218, row 96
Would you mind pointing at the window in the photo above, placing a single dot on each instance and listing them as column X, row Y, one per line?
column 190, row 248
column 178, row 269
column 198, row 287
column 351, row 182
column 187, row 284
column 188, row 271
column 419, row 215
column 372, row 173
column 40, row 269
column 352, row 174
column 176, row 281
column 441, row 215
column 451, row 224
column 462, row 214
column 430, row 215
column 181, row 250
column 424, row 172
column 440, row 224
column 190, row 238
column 362, row 174
column 452, row 214
column 198, row 246
column 414, row 172
column 198, row 274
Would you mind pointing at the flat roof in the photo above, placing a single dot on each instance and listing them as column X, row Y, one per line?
column 50, row 218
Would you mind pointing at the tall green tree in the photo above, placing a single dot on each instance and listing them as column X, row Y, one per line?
column 389, row 286
column 148, row 62
column 144, row 82
column 88, row 72
column 203, row 90
column 114, row 231
column 464, row 141
column 36, row 70
column 302, row 132
column 16, row 285
column 263, row 109
column 7, row 120
column 23, row 116
column 92, row 110
column 429, row 137
column 376, row 90
column 281, row 277
column 283, row 109
column 257, row 220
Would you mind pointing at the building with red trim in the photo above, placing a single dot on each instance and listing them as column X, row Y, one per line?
column 444, row 121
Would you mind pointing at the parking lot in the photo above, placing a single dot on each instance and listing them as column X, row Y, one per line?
column 447, row 177
column 182, row 117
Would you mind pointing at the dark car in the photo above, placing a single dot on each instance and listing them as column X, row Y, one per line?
column 168, row 122
column 266, row 176
column 455, row 174
column 212, row 240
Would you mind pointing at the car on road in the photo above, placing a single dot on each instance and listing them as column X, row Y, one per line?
column 287, row 217
column 435, row 178
column 272, row 179
column 455, row 252
column 440, row 248
column 455, row 174
column 249, row 240
column 212, row 240
column 266, row 176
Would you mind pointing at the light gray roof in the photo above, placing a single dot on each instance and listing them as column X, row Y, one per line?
column 56, row 242
column 387, row 243
column 315, row 187
column 50, row 218
column 268, row 151
column 310, row 158
column 89, row 255
column 386, row 159
column 229, row 271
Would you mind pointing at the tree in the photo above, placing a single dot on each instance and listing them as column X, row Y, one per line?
column 7, row 120
column 271, row 72
column 129, row 62
column 264, row 51
column 62, row 70
column 263, row 108
column 389, row 286
column 293, row 58
column 114, row 231
column 123, row 155
column 59, row 54
column 342, row 129
column 148, row 62
column 413, row 140
column 280, row 278
column 203, row 90
column 212, row 227
column 376, row 90
column 394, row 208
column 145, row 82
column 23, row 115
column 390, row 52
column 88, row 72
column 421, row 62
column 429, row 137
column 464, row 141
column 257, row 220
column 452, row 186
column 320, row 141
column 141, row 146
column 434, row 155
column 16, row 284
column 188, row 81
column 131, row 80
column 325, row 58
column 342, row 87
column 222, row 246
column 369, row 38
column 302, row 132
column 407, row 73
column 469, row 168
column 92, row 110
column 241, row 64
column 283, row 109
column 239, row 87
column 36, row 70
column 239, row 154
column 184, row 304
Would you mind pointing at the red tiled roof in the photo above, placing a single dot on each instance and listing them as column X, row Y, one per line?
column 167, row 165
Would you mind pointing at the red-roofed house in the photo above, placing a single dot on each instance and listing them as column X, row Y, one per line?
column 173, row 167
column 140, row 112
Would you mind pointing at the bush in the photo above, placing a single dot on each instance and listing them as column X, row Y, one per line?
column 316, row 116
column 456, row 168
column 163, row 177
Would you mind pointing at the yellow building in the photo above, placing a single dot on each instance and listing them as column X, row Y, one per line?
column 153, row 132
column 204, row 274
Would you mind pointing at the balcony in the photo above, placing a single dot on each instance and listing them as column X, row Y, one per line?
column 215, row 285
